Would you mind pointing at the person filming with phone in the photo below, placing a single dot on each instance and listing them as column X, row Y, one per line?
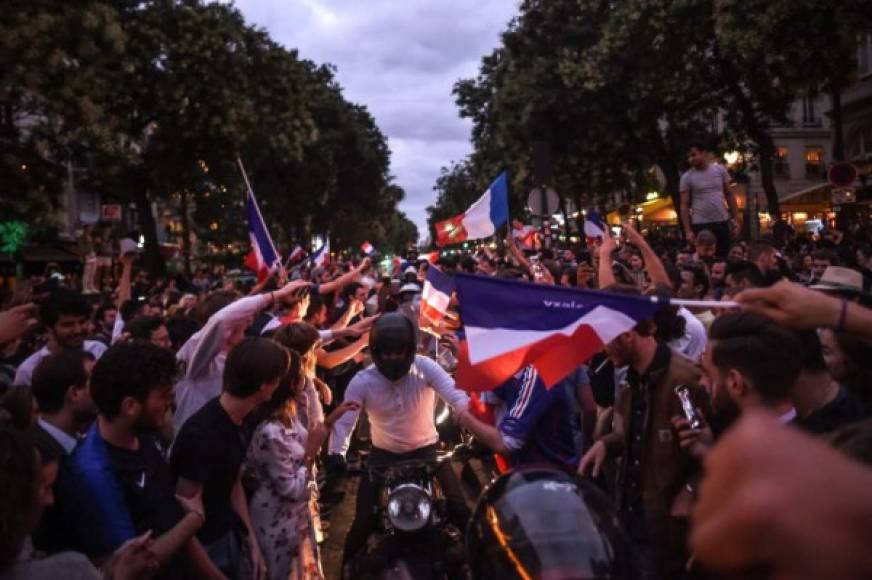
column 655, row 470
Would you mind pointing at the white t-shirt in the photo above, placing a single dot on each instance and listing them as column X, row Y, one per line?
column 24, row 375
column 693, row 343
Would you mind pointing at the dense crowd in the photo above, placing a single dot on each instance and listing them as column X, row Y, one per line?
column 179, row 426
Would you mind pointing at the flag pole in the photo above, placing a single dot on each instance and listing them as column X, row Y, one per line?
column 283, row 274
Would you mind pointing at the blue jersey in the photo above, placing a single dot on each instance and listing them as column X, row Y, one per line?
column 537, row 425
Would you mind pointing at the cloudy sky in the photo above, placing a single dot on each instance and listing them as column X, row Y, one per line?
column 400, row 58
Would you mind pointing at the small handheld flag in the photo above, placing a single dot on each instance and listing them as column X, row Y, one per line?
column 367, row 248
column 321, row 257
column 435, row 297
column 593, row 226
column 481, row 220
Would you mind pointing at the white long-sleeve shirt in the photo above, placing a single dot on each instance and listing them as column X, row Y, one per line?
column 203, row 359
column 401, row 413
column 24, row 374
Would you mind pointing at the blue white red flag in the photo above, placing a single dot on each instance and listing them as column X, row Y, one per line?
column 321, row 257
column 435, row 297
column 594, row 227
column 297, row 253
column 482, row 218
column 509, row 325
column 367, row 248
column 263, row 257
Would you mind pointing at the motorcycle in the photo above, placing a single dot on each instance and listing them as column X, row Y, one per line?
column 415, row 538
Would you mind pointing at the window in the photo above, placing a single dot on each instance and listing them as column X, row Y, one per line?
column 809, row 115
column 814, row 162
column 864, row 54
column 780, row 165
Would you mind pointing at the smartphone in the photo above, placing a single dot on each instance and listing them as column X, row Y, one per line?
column 690, row 412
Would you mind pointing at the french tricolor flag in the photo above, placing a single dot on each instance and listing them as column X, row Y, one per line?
column 263, row 257
column 367, row 248
column 509, row 325
column 435, row 297
column 321, row 257
column 594, row 227
column 481, row 220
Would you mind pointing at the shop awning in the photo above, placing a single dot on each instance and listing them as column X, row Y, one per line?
column 658, row 210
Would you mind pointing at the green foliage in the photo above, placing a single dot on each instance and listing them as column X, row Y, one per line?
column 617, row 87
column 13, row 234
column 155, row 100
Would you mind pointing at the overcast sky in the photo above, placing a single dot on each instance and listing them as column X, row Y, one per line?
column 400, row 58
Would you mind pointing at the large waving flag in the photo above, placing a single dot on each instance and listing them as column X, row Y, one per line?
column 509, row 325
column 481, row 220
column 438, row 287
column 263, row 257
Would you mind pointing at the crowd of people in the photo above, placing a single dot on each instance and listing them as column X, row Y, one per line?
column 189, row 427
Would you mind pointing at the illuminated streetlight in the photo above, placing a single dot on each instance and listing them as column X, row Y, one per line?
column 731, row 157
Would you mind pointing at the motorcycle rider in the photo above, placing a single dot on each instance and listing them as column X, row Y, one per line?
column 398, row 393
column 543, row 523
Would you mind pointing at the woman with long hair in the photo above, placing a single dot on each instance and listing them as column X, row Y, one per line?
column 280, row 459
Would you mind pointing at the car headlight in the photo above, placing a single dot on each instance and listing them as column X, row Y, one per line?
column 409, row 507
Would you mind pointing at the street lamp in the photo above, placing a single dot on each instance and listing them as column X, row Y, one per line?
column 731, row 157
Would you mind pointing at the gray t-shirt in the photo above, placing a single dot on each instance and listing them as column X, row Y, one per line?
column 706, row 187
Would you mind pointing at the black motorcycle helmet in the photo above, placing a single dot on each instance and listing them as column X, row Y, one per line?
column 392, row 334
column 542, row 523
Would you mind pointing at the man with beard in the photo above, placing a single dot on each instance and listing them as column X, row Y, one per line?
column 116, row 485
column 65, row 316
column 654, row 470
column 750, row 363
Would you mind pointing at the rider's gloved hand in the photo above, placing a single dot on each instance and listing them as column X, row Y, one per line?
column 335, row 464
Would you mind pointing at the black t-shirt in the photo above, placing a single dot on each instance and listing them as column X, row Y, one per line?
column 841, row 411
column 149, row 494
column 148, row 486
column 210, row 450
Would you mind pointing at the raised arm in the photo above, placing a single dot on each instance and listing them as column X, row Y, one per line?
column 124, row 285
column 343, row 280
column 334, row 358
column 605, row 274
column 652, row 262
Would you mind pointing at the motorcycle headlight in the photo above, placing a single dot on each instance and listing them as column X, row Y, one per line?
column 409, row 507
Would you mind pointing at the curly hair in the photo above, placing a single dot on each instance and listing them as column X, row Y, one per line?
column 130, row 370
column 18, row 479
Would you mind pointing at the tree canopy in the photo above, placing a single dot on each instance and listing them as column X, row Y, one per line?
column 615, row 88
column 154, row 100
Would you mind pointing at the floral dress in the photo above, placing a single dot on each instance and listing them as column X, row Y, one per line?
column 279, row 505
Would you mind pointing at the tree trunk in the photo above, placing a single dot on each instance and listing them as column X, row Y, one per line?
column 186, row 231
column 838, row 137
column 154, row 261
column 766, row 152
column 673, row 181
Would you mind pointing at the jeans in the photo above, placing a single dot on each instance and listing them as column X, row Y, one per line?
column 226, row 555
column 721, row 230
column 366, row 508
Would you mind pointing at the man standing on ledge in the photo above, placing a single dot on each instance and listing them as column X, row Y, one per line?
column 705, row 194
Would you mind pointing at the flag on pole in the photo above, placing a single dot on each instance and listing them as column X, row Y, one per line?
column 482, row 218
column 367, row 248
column 593, row 226
column 435, row 297
column 321, row 257
column 509, row 325
column 263, row 258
